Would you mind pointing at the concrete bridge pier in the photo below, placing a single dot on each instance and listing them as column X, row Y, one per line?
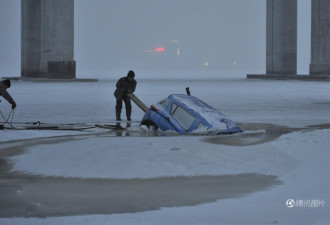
column 47, row 39
column 320, row 44
column 281, row 37
column 281, row 41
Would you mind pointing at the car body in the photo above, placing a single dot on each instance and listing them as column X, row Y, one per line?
column 187, row 114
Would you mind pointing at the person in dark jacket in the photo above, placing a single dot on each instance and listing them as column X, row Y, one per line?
column 3, row 92
column 124, row 86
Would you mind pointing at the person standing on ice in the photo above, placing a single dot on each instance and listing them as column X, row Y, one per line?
column 124, row 86
column 3, row 92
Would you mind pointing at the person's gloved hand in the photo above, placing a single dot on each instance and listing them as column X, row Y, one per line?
column 13, row 106
column 129, row 91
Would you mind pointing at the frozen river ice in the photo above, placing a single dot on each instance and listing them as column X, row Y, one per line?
column 292, row 103
column 282, row 154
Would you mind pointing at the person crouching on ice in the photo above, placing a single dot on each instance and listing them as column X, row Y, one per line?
column 124, row 86
column 3, row 92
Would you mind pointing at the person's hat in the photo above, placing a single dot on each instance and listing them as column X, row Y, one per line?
column 131, row 74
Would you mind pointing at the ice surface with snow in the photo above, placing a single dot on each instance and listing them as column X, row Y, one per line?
column 298, row 157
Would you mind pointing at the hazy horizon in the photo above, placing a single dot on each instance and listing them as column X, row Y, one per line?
column 186, row 36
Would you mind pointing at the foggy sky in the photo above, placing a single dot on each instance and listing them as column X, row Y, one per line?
column 111, row 36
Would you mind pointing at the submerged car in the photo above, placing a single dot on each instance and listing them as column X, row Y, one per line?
column 186, row 114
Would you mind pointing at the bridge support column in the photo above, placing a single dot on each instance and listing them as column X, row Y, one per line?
column 281, row 40
column 320, row 44
column 47, row 39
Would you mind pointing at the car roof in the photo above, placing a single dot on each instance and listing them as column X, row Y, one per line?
column 208, row 113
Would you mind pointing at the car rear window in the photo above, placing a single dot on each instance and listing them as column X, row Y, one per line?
column 182, row 116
